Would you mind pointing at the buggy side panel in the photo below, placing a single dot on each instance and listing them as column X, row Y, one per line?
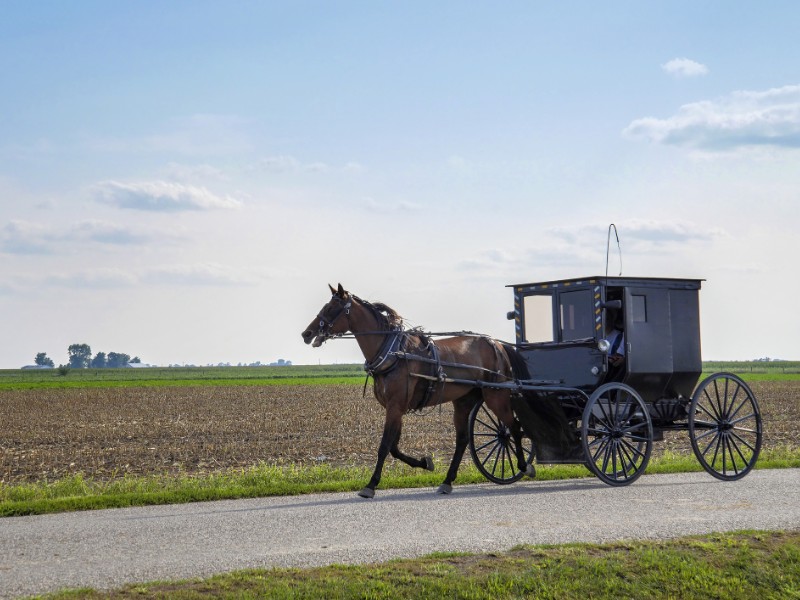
column 687, row 363
column 662, row 339
column 577, row 364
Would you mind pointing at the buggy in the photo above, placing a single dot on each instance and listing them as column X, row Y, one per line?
column 575, row 407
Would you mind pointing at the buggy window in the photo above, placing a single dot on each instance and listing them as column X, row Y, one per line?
column 538, row 318
column 576, row 315
column 639, row 308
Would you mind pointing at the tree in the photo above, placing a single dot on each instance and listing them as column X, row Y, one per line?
column 99, row 361
column 43, row 360
column 117, row 359
column 79, row 356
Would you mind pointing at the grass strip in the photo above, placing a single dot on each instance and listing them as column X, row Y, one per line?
column 84, row 493
column 748, row 564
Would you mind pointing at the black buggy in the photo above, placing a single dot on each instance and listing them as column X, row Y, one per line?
column 574, row 407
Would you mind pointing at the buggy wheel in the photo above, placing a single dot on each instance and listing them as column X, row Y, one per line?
column 725, row 426
column 617, row 434
column 493, row 448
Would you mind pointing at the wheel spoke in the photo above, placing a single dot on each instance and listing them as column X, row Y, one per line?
column 744, row 418
column 743, row 441
column 496, row 454
column 731, row 457
column 492, row 426
column 714, row 442
column 601, row 448
column 710, row 402
column 713, row 415
column 746, row 400
column 635, row 452
column 735, row 446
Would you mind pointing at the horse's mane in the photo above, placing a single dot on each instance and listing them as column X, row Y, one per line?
column 393, row 319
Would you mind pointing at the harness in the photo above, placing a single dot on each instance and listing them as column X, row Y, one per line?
column 392, row 352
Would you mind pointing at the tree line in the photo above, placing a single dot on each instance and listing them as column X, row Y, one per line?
column 80, row 357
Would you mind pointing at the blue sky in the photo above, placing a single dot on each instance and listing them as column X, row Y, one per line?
column 180, row 181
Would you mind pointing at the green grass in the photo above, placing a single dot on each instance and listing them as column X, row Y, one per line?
column 84, row 493
column 17, row 379
column 747, row 564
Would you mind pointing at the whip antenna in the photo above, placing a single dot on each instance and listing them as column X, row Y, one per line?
column 608, row 246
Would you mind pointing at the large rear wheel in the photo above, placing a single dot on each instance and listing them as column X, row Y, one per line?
column 725, row 426
column 617, row 434
column 493, row 449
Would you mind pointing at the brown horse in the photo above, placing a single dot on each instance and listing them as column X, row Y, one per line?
column 409, row 373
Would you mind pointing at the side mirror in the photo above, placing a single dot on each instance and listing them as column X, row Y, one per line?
column 612, row 304
column 511, row 315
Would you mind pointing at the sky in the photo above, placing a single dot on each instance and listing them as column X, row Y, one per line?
column 180, row 181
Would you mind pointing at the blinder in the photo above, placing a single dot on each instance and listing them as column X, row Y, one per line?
column 329, row 321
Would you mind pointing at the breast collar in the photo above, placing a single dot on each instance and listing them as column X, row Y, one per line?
column 386, row 359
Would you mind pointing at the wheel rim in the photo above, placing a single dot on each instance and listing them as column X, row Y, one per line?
column 617, row 434
column 725, row 426
column 493, row 449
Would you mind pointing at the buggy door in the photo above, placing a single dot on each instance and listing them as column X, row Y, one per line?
column 648, row 339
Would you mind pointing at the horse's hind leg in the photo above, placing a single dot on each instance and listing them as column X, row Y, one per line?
column 500, row 404
column 461, row 410
column 522, row 463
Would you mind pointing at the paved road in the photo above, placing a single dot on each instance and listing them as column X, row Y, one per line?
column 104, row 549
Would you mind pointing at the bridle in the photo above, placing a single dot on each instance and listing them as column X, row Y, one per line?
column 326, row 323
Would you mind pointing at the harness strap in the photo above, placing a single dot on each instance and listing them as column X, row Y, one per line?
column 386, row 359
column 438, row 378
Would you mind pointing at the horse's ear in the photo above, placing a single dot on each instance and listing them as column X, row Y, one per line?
column 342, row 292
column 333, row 291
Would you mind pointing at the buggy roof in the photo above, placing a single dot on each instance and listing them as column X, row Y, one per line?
column 659, row 282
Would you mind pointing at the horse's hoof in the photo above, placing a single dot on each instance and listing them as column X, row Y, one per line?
column 530, row 471
column 367, row 493
column 445, row 488
column 428, row 463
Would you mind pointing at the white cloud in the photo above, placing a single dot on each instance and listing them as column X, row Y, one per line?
column 666, row 232
column 24, row 237
column 212, row 274
column 286, row 164
column 193, row 135
column 684, row 67
column 104, row 232
column 742, row 120
column 161, row 196
column 181, row 172
column 180, row 275
column 93, row 279
column 402, row 206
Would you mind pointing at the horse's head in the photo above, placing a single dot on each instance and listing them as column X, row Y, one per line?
column 331, row 320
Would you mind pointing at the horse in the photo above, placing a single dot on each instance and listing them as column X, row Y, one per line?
column 408, row 374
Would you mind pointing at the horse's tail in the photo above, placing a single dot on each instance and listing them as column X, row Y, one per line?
column 519, row 368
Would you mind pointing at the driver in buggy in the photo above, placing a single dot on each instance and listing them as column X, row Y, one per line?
column 615, row 336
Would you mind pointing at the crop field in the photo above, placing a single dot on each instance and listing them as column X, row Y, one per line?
column 109, row 432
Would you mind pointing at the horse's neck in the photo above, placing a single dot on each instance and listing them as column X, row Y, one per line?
column 367, row 322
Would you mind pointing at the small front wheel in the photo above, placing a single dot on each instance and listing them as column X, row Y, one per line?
column 617, row 434
column 493, row 448
column 725, row 426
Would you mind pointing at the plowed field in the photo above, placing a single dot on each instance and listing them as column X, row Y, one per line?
column 109, row 432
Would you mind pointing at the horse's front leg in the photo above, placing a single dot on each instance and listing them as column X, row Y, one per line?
column 426, row 462
column 391, row 433
column 461, row 410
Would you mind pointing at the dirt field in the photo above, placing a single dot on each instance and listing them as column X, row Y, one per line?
column 107, row 433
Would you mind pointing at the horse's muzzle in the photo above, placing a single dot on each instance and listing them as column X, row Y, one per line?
column 309, row 336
